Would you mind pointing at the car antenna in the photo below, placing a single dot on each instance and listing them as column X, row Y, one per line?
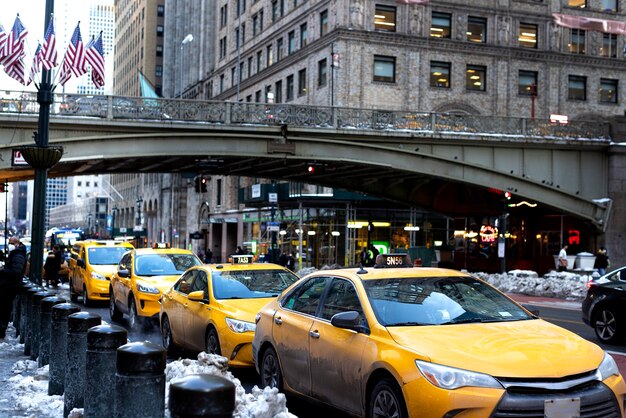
column 361, row 270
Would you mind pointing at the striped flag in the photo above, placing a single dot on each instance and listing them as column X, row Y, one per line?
column 14, row 46
column 16, row 70
column 36, row 65
column 95, row 58
column 49, row 50
column 74, row 61
column 3, row 42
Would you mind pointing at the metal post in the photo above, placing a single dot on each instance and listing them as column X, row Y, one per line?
column 46, row 320
column 201, row 395
column 187, row 39
column 36, row 325
column 58, row 345
column 273, row 257
column 300, row 237
column 239, row 57
column 6, row 216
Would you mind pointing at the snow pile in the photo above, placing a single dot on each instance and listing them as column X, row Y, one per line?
column 561, row 285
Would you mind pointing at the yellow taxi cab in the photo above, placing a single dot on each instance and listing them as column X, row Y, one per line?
column 92, row 262
column 427, row 342
column 142, row 275
column 212, row 307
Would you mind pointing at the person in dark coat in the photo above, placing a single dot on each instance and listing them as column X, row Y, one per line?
column 11, row 277
column 52, row 266
column 602, row 261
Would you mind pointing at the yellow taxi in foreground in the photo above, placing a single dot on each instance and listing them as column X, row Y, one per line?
column 212, row 307
column 141, row 278
column 92, row 262
column 427, row 342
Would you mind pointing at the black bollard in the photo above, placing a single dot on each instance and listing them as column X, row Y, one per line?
column 77, row 326
column 28, row 324
column 17, row 306
column 44, row 334
column 58, row 347
column 21, row 325
column 140, row 380
column 102, row 344
column 36, row 324
column 201, row 396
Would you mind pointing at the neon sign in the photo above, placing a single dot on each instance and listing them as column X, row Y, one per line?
column 488, row 233
column 574, row 237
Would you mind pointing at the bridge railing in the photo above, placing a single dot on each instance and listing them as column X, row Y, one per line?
column 176, row 110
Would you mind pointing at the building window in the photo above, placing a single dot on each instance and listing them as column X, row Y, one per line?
column 223, row 15
column 477, row 29
column 159, row 30
column 577, row 3
column 322, row 73
column 290, row 87
column 279, row 91
column 221, row 83
column 475, row 78
column 528, row 35
column 223, row 45
column 385, row 18
column 249, row 98
column 255, row 24
column 249, row 67
column 577, row 41
column 274, row 11
column 577, row 87
column 218, row 198
column 440, row 74
column 268, row 91
column 159, row 50
column 302, row 82
column 291, row 42
column 303, row 35
column 279, row 49
column 233, row 78
column 160, row 10
column 609, row 45
column 260, row 20
column 527, row 83
column 259, row 60
column 324, row 23
column 608, row 90
column 269, row 59
column 384, row 69
column 257, row 96
column 609, row 5
column 158, row 71
column 440, row 26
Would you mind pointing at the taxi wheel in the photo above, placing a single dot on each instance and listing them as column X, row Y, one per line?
column 73, row 295
column 608, row 325
column 114, row 312
column 166, row 337
column 386, row 401
column 270, row 370
column 86, row 300
column 133, row 319
column 212, row 345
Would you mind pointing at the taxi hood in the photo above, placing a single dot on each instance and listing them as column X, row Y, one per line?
column 530, row 348
column 244, row 309
column 105, row 269
column 163, row 283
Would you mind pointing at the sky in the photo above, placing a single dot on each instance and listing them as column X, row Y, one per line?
column 29, row 386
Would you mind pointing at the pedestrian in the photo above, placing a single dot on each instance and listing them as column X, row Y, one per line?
column 11, row 277
column 562, row 259
column 208, row 256
column 602, row 261
column 282, row 260
column 291, row 262
column 52, row 266
column 240, row 250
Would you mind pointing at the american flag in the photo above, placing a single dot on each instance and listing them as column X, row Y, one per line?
column 16, row 70
column 3, row 42
column 14, row 46
column 49, row 50
column 95, row 57
column 74, row 59
column 36, row 65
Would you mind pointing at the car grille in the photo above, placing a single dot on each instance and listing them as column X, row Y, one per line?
column 596, row 401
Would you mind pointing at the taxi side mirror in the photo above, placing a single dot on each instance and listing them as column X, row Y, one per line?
column 123, row 273
column 80, row 263
column 197, row 296
column 349, row 320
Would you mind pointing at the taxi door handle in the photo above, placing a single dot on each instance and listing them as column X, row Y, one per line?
column 314, row 334
column 278, row 320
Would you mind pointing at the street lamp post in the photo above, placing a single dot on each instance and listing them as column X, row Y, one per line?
column 187, row 39
column 113, row 215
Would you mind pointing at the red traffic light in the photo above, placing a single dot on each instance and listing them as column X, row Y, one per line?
column 507, row 195
column 311, row 169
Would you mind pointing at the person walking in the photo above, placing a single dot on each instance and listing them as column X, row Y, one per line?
column 602, row 261
column 562, row 262
column 11, row 277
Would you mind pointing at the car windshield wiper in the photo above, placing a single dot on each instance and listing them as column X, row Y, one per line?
column 469, row 321
column 406, row 324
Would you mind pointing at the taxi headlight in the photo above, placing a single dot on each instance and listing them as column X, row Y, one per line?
column 240, row 326
column 452, row 378
column 146, row 288
column 97, row 276
column 608, row 367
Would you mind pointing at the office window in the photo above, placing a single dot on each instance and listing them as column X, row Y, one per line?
column 608, row 90
column 475, row 77
column 385, row 18
column 160, row 10
column 291, row 42
column 275, row 11
column 577, row 41
column 577, row 87
column 221, row 83
column 249, row 98
column 243, row 33
column 477, row 29
column 324, row 23
column 609, row 5
column 223, row 45
column 159, row 50
column 527, row 83
column 290, row 87
column 384, row 69
column 158, row 71
column 260, row 20
column 278, row 87
column 159, row 30
column 440, row 74
column 249, row 67
column 577, row 3
column 609, row 45
column 223, row 16
column 528, row 35
column 302, row 82
column 322, row 73
column 255, row 24
column 259, row 60
column 269, row 59
column 257, row 96
column 268, row 92
column 441, row 24
column 279, row 49
column 303, row 35
column 233, row 78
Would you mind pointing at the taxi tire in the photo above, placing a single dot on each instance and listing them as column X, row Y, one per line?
column 73, row 295
column 166, row 337
column 86, row 300
column 608, row 325
column 212, row 343
column 270, row 372
column 114, row 312
column 386, row 401
column 134, row 321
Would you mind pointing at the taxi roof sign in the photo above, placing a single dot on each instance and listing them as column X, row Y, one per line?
column 242, row 259
column 160, row 245
column 394, row 260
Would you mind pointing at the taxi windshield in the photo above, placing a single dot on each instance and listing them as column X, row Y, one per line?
column 250, row 284
column 439, row 301
column 164, row 264
column 99, row 256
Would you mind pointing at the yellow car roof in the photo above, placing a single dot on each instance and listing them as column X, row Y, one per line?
column 105, row 243
column 248, row 266
column 141, row 251
column 372, row 273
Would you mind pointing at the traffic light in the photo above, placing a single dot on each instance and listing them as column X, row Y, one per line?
column 310, row 169
column 507, row 195
column 203, row 184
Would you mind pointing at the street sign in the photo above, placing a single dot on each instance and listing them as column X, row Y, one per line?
column 195, row 235
column 17, row 159
column 273, row 226
column 272, row 197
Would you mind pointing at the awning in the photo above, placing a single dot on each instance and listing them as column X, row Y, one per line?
column 588, row 23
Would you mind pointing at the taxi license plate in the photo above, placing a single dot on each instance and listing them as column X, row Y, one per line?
column 562, row 408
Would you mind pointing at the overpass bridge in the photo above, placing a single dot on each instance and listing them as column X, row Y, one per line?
column 447, row 163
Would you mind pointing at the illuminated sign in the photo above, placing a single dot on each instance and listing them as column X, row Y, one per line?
column 488, row 233
column 242, row 259
column 394, row 260
column 574, row 237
